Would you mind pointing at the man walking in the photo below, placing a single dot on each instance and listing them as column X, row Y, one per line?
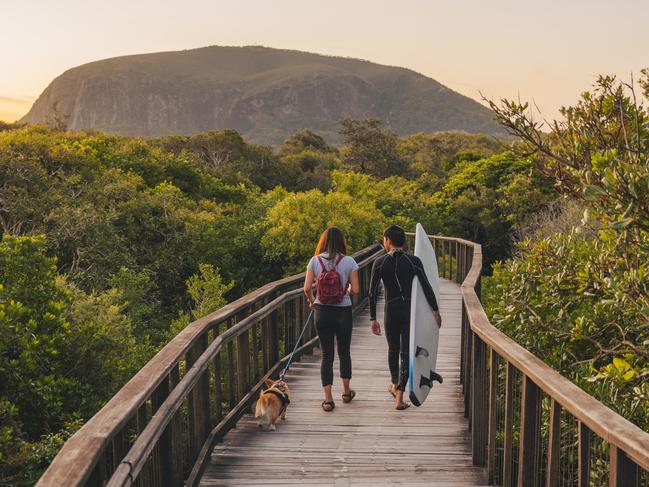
column 397, row 269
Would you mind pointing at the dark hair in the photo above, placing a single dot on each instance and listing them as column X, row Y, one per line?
column 396, row 235
column 332, row 241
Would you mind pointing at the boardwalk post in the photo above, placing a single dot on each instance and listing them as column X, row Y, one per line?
column 468, row 368
column 493, row 409
column 243, row 356
column 479, row 401
column 584, row 455
column 174, row 427
column 508, row 450
column 624, row 472
column 554, row 445
column 164, row 459
column 199, row 411
column 273, row 338
column 218, row 388
column 529, row 451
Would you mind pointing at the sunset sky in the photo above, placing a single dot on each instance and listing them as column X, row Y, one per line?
column 548, row 51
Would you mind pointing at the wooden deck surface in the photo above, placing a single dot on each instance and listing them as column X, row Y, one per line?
column 366, row 442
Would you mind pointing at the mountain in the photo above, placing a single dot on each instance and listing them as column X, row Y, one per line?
column 266, row 94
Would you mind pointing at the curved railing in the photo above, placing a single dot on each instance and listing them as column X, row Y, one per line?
column 530, row 426
column 160, row 427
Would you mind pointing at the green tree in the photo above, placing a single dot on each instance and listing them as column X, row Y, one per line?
column 578, row 298
column 33, row 333
column 402, row 201
column 370, row 148
column 600, row 149
column 207, row 291
column 305, row 139
column 483, row 200
column 295, row 223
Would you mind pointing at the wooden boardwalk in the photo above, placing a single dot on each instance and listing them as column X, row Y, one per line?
column 366, row 442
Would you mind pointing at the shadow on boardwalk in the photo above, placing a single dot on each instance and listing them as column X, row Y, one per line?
column 365, row 442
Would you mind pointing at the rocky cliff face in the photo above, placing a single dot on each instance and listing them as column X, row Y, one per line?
column 266, row 94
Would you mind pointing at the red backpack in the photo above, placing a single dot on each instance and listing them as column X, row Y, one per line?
column 329, row 284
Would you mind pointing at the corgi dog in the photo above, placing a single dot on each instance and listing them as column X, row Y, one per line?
column 272, row 404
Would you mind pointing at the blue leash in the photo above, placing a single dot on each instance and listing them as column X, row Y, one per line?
column 297, row 344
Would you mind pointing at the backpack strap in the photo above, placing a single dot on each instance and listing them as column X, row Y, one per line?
column 340, row 257
column 324, row 269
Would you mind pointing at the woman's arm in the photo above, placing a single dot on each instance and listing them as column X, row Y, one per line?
column 354, row 283
column 308, row 287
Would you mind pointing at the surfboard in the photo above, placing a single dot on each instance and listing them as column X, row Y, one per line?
column 424, row 329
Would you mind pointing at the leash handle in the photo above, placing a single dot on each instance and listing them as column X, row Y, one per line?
column 297, row 344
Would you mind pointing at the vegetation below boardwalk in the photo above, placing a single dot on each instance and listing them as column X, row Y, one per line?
column 576, row 293
column 111, row 245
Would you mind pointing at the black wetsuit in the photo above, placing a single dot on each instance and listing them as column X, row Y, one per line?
column 397, row 270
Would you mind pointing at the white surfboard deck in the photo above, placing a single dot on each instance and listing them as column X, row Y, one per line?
column 424, row 329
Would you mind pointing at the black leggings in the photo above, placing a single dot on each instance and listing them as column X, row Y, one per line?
column 397, row 332
column 330, row 322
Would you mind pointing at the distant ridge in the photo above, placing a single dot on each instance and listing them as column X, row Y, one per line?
column 266, row 94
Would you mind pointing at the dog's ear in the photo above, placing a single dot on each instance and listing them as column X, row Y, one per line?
column 269, row 383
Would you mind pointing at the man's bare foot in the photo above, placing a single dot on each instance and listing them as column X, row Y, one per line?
column 401, row 404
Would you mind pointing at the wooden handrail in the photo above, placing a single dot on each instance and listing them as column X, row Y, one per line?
column 629, row 444
column 86, row 458
column 157, row 396
column 133, row 462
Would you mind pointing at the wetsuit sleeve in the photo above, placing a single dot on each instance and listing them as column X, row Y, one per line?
column 425, row 284
column 374, row 286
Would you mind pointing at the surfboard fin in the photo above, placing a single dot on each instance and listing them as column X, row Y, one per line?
column 421, row 351
column 428, row 381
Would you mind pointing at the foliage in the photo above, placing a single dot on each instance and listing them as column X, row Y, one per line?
column 207, row 291
column 111, row 245
column 402, row 201
column 582, row 306
column 437, row 154
column 305, row 139
column 599, row 150
column 579, row 298
column 369, row 147
column 62, row 352
column 483, row 200
column 296, row 222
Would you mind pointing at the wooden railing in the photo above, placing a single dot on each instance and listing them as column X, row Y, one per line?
column 530, row 426
column 161, row 426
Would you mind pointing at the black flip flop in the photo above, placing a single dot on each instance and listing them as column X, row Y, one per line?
column 403, row 406
column 328, row 403
column 347, row 398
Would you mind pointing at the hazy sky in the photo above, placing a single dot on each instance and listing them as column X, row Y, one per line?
column 545, row 50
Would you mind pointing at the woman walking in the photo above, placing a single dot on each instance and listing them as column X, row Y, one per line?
column 336, row 277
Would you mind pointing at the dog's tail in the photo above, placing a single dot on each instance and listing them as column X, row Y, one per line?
column 260, row 410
